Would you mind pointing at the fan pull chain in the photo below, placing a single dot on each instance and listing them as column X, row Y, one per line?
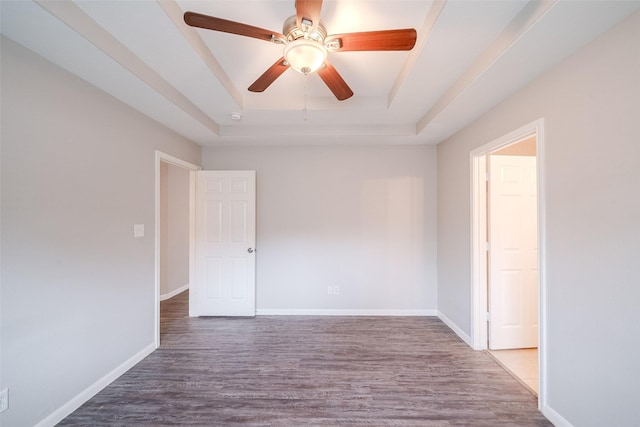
column 304, row 110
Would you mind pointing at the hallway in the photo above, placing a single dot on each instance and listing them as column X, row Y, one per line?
column 523, row 363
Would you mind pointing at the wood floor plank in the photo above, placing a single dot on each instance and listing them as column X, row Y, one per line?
column 310, row 370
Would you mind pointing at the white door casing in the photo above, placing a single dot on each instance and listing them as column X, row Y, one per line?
column 225, row 230
column 513, row 255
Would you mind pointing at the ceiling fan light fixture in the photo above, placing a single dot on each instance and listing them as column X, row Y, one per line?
column 305, row 56
column 306, row 44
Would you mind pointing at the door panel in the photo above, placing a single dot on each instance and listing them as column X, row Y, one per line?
column 513, row 276
column 213, row 218
column 224, row 242
column 214, row 277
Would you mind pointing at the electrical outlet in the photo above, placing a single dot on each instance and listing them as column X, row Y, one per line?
column 330, row 290
column 4, row 400
column 336, row 290
column 138, row 230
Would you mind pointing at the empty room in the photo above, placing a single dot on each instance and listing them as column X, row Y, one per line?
column 339, row 212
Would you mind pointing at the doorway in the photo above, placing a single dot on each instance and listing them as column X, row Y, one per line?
column 174, row 230
column 481, row 273
column 512, row 260
column 164, row 180
column 512, row 246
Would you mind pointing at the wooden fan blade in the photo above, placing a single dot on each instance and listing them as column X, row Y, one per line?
column 269, row 76
column 217, row 24
column 403, row 39
column 308, row 10
column 335, row 82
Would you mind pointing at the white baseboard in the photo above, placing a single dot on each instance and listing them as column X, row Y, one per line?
column 333, row 312
column 455, row 328
column 555, row 418
column 174, row 292
column 66, row 409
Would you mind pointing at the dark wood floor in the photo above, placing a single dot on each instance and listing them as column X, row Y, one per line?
column 300, row 371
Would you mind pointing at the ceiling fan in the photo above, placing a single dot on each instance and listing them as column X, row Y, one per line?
column 306, row 44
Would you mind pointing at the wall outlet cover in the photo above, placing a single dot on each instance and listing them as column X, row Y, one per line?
column 138, row 230
column 4, row 400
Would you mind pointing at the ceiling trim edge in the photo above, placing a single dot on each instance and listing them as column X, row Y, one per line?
column 75, row 18
column 523, row 21
column 423, row 35
column 175, row 14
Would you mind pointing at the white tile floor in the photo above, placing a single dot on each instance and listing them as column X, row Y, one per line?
column 523, row 363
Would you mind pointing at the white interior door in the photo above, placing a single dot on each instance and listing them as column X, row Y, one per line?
column 225, row 229
column 513, row 255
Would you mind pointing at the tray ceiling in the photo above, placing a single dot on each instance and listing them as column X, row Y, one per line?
column 469, row 56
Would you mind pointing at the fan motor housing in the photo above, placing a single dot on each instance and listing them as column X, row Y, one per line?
column 291, row 30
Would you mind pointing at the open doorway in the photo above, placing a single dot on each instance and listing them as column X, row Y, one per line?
column 505, row 153
column 512, row 259
column 174, row 211
column 174, row 230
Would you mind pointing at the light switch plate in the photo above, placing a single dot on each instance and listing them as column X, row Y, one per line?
column 138, row 230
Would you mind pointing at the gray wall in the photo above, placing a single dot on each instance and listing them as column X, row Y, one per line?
column 361, row 218
column 591, row 107
column 77, row 289
column 174, row 228
column 77, row 173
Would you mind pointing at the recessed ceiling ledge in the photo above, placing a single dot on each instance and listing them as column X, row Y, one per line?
column 78, row 20
column 317, row 130
column 523, row 21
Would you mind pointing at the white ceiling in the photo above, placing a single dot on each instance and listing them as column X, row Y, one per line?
column 469, row 56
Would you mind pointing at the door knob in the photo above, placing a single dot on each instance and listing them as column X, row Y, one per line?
column 250, row 250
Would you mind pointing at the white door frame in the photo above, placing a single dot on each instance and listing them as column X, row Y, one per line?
column 479, row 307
column 167, row 158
